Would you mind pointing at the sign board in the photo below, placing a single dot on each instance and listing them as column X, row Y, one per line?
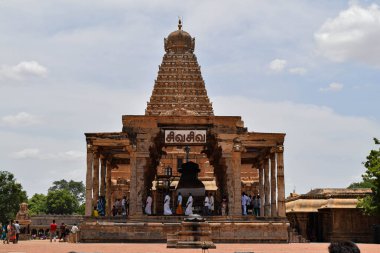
column 185, row 136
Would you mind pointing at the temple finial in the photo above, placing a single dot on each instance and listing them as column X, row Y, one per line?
column 179, row 23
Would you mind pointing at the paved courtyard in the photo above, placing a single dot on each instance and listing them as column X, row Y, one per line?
column 56, row 247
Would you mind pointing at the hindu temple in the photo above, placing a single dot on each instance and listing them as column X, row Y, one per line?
column 180, row 145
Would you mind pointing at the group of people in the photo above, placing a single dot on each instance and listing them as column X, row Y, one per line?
column 250, row 203
column 208, row 207
column 120, row 207
column 63, row 232
column 179, row 210
column 10, row 232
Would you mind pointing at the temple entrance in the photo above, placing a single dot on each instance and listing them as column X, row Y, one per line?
column 184, row 169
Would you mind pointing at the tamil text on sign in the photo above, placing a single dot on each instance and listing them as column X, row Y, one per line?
column 185, row 136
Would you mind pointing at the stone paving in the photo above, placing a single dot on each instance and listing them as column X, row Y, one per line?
column 59, row 247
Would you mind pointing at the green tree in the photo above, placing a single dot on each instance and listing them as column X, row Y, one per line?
column 362, row 184
column 11, row 195
column 37, row 204
column 76, row 188
column 371, row 203
column 61, row 202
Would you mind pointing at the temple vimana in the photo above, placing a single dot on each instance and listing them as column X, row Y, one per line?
column 179, row 127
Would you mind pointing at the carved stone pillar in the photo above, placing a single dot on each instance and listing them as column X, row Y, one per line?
column 108, row 189
column 280, row 182
column 88, row 208
column 261, row 187
column 154, row 201
column 103, row 177
column 138, row 163
column 266, row 188
column 233, row 182
column 95, row 180
column 273, row 185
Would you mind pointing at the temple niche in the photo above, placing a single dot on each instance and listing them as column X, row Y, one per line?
column 179, row 131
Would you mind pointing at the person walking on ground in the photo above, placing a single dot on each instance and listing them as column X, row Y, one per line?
column 189, row 205
column 167, row 210
column 4, row 234
column 53, row 231
column 179, row 210
column 74, row 231
column 17, row 230
column 11, row 232
column 62, row 230
column 148, row 205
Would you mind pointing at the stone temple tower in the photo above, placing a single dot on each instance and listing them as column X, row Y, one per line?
column 179, row 89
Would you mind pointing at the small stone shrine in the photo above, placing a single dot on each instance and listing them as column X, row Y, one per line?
column 24, row 220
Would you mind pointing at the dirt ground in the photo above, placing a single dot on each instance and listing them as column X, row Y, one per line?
column 44, row 246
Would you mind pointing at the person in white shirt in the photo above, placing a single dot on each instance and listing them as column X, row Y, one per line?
column 206, row 208
column 148, row 205
column 244, row 200
column 212, row 203
column 189, row 205
column 74, row 230
column 167, row 210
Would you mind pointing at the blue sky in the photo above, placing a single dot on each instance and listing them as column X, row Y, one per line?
column 306, row 68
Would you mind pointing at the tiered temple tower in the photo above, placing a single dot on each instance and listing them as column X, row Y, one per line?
column 179, row 89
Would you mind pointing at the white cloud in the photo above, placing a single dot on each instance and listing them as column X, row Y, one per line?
column 29, row 153
column 22, row 70
column 297, row 71
column 277, row 65
column 353, row 35
column 320, row 144
column 20, row 119
column 35, row 153
column 333, row 87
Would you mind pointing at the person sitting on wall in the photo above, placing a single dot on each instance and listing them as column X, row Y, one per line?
column 343, row 247
column 95, row 212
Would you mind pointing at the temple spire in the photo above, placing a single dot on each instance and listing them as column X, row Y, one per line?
column 179, row 23
column 179, row 88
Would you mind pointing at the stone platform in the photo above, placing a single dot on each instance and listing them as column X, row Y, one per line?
column 150, row 229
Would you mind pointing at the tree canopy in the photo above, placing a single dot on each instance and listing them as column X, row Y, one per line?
column 11, row 195
column 371, row 203
column 61, row 202
column 76, row 188
column 37, row 204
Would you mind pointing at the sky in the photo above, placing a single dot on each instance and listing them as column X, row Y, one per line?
column 309, row 69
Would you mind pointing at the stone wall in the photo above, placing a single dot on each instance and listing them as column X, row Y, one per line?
column 222, row 232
